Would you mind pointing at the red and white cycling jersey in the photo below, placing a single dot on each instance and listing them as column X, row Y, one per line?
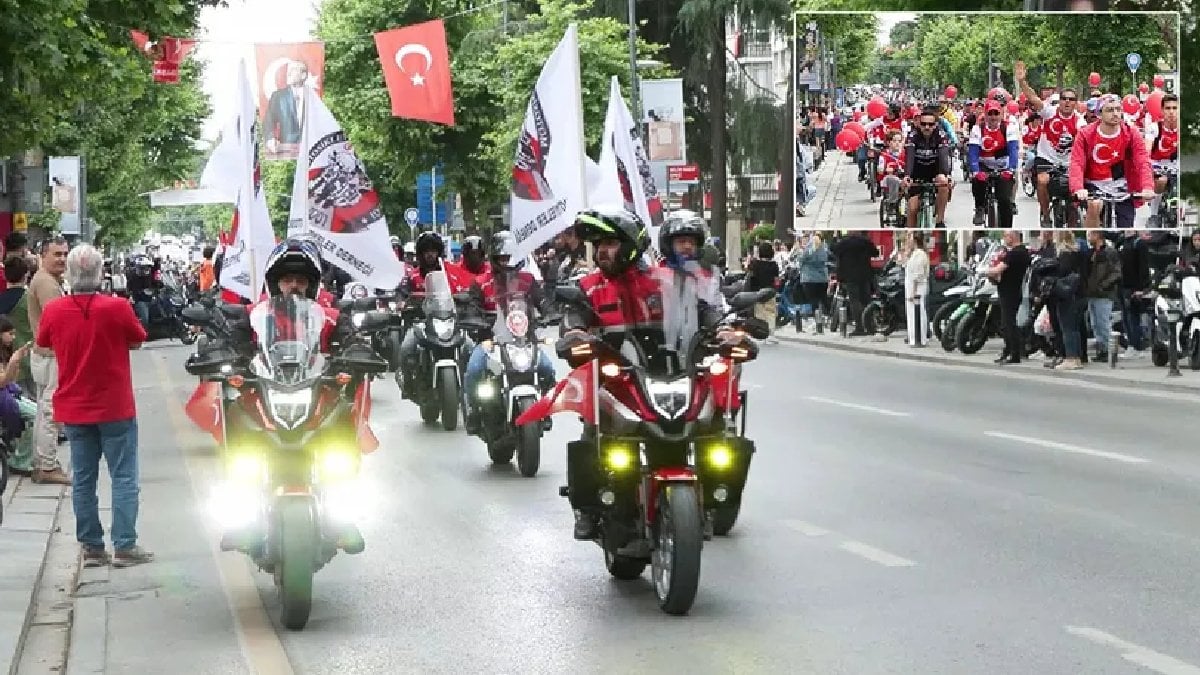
column 1054, row 126
column 1107, row 153
column 1164, row 142
column 993, row 144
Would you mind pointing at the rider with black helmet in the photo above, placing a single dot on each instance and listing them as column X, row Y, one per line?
column 430, row 250
column 294, row 267
column 681, row 241
column 474, row 258
column 505, row 276
column 142, row 287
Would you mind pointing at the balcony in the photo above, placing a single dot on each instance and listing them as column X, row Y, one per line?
column 756, row 49
column 763, row 187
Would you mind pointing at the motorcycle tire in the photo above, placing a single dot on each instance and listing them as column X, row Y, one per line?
column 724, row 519
column 501, row 452
column 942, row 317
column 430, row 410
column 1159, row 356
column 971, row 333
column 620, row 566
column 529, row 443
column 949, row 339
column 296, row 564
column 394, row 348
column 1194, row 355
column 677, row 571
column 876, row 319
column 448, row 390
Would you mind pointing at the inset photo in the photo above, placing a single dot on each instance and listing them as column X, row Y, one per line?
column 986, row 120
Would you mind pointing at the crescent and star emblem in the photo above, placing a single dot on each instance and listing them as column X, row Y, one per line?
column 572, row 391
column 989, row 143
column 1096, row 152
column 1056, row 126
column 418, row 79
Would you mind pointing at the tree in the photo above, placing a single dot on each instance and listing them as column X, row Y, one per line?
column 855, row 37
column 56, row 55
column 902, row 34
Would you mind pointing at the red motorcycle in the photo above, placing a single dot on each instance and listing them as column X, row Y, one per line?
column 670, row 430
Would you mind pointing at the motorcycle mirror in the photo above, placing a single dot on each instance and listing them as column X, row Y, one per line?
column 744, row 299
column 571, row 295
column 195, row 315
column 756, row 328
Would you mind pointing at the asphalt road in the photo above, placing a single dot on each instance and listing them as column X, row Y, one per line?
column 858, row 212
column 900, row 518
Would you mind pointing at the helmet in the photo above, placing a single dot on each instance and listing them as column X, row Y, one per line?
column 504, row 245
column 473, row 245
column 430, row 241
column 294, row 256
column 614, row 222
column 894, row 109
column 395, row 241
column 681, row 224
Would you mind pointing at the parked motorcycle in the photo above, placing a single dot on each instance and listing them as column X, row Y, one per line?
column 665, row 424
column 290, row 444
column 885, row 313
column 437, row 378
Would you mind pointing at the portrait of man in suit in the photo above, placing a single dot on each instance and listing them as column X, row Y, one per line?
column 284, row 117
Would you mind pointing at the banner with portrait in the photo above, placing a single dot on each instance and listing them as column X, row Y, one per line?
column 663, row 127
column 284, row 70
column 65, row 194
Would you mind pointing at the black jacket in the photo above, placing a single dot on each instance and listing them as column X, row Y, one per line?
column 1104, row 273
column 853, row 254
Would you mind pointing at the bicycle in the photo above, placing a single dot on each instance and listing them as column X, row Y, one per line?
column 893, row 214
column 1108, row 211
column 1167, row 216
column 927, row 210
column 992, row 206
column 873, row 190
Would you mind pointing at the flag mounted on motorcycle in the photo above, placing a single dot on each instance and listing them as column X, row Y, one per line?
column 575, row 393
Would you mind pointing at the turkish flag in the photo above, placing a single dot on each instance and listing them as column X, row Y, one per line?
column 204, row 408
column 416, row 69
column 575, row 393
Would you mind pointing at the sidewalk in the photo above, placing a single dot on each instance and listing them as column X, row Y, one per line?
column 1138, row 373
column 824, row 212
column 30, row 521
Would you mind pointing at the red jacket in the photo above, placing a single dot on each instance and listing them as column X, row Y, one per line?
column 632, row 300
column 1138, row 174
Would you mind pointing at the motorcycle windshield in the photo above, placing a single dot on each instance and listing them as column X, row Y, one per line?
column 288, row 330
column 439, row 301
column 682, row 297
column 513, row 320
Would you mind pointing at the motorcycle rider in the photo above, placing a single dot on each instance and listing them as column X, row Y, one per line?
column 429, row 249
column 626, row 300
column 681, row 241
column 506, row 275
column 142, row 287
column 295, row 268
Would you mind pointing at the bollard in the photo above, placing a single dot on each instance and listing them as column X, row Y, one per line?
column 843, row 319
column 1114, row 344
column 1172, row 351
column 818, row 321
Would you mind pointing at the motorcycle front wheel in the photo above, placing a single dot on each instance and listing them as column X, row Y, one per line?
column 448, row 390
column 675, row 561
column 297, row 552
column 529, row 443
column 878, row 318
column 971, row 333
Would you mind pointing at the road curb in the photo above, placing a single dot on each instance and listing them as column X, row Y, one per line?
column 26, row 584
column 1064, row 376
column 88, row 643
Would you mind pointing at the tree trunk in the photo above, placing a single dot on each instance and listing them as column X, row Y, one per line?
column 469, row 205
column 785, row 206
column 716, row 106
column 1059, row 76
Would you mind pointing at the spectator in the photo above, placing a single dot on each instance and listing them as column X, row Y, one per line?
column 17, row 409
column 811, row 258
column 1135, row 280
column 854, row 272
column 91, row 335
column 1009, row 270
column 44, row 287
column 1102, row 287
column 761, row 274
column 1068, row 303
column 208, row 277
column 916, row 288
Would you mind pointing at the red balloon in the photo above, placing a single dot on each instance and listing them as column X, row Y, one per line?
column 1143, row 87
column 1094, row 79
column 858, row 129
column 1131, row 104
column 1013, row 108
column 847, row 140
column 1159, row 81
column 951, row 92
column 1022, row 98
column 876, row 107
column 1154, row 105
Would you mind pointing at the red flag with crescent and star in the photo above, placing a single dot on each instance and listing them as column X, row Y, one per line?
column 416, row 69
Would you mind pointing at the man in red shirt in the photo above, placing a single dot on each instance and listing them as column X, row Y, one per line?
column 1110, row 156
column 91, row 335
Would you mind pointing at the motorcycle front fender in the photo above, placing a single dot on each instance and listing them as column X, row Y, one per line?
column 442, row 364
column 519, row 393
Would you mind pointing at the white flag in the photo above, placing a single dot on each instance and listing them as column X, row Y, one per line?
column 626, row 167
column 234, row 169
column 549, row 174
column 340, row 209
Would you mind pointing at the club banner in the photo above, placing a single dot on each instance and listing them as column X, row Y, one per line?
column 335, row 205
column 285, row 72
column 623, row 157
column 549, row 180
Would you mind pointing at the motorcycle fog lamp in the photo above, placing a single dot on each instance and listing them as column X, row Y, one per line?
column 233, row 506
column 720, row 493
column 618, row 457
column 720, row 457
column 610, row 370
column 339, row 464
column 485, row 390
column 443, row 328
column 607, row 498
column 246, row 468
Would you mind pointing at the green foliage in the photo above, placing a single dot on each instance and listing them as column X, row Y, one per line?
column 761, row 232
column 855, row 37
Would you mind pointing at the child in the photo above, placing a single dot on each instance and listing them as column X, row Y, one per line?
column 17, row 410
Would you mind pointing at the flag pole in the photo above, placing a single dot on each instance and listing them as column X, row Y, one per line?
column 248, row 196
column 576, row 82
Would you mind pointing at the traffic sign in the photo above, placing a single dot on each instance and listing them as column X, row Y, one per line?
column 411, row 216
column 683, row 173
column 20, row 222
column 1134, row 61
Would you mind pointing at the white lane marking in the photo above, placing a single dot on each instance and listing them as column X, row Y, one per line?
column 1067, row 447
column 806, row 529
column 875, row 555
column 857, row 406
column 1143, row 656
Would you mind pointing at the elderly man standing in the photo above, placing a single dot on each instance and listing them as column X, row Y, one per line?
column 45, row 286
column 91, row 335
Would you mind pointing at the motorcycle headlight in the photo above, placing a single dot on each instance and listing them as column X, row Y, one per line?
column 485, row 390
column 520, row 357
column 357, row 319
column 290, row 409
column 443, row 328
column 670, row 399
column 393, row 306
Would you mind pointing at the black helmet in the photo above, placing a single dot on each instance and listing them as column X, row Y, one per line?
column 681, row 224
column 613, row 222
column 504, row 247
column 473, row 251
column 430, row 241
column 294, row 256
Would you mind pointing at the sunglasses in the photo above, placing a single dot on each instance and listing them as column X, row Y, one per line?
column 1068, row 98
column 928, row 124
column 993, row 112
column 1110, row 110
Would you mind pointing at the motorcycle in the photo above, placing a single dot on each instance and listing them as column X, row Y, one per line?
column 290, row 441
column 437, row 379
column 166, row 305
column 1169, row 313
column 385, row 343
column 510, row 385
column 886, row 313
column 665, row 423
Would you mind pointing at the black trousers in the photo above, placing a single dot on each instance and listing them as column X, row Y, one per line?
column 1013, row 347
column 858, row 293
column 1004, row 199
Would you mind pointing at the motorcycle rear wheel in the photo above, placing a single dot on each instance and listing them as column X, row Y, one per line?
column 877, row 318
column 529, row 443
column 675, row 561
column 296, row 565
column 448, row 389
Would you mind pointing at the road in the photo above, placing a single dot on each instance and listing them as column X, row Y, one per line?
column 856, row 211
column 900, row 518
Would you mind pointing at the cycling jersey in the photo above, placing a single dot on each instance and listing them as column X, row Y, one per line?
column 927, row 156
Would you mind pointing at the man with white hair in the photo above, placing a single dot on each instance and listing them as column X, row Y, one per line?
column 91, row 334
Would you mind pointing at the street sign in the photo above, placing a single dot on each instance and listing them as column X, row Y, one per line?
column 1134, row 61
column 683, row 173
column 427, row 183
column 20, row 222
column 411, row 216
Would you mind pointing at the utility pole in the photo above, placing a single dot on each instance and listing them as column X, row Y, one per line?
column 635, row 86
